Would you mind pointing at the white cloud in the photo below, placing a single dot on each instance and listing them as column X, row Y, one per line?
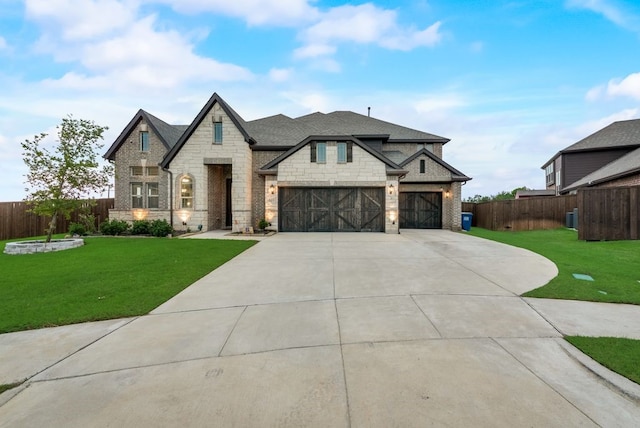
column 280, row 74
column 140, row 57
column 81, row 19
column 291, row 13
column 3, row 43
column 629, row 86
column 364, row 24
column 314, row 50
column 612, row 11
column 626, row 87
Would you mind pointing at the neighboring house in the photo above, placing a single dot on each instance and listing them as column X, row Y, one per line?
column 340, row 171
column 534, row 193
column 610, row 157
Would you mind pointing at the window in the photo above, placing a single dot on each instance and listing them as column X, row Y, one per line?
column 549, row 173
column 318, row 152
column 136, row 195
column 152, row 170
column 152, row 195
column 136, row 170
column 345, row 152
column 217, row 132
column 428, row 147
column 186, row 192
column 423, row 166
column 144, row 141
column 342, row 152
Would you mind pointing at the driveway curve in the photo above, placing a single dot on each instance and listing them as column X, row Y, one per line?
column 424, row 328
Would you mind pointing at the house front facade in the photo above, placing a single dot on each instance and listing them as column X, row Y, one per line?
column 340, row 171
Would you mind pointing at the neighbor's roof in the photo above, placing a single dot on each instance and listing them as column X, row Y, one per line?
column 625, row 133
column 626, row 165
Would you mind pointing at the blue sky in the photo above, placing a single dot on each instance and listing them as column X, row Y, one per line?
column 509, row 82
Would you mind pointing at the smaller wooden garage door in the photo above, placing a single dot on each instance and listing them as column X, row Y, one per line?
column 331, row 209
column 421, row 210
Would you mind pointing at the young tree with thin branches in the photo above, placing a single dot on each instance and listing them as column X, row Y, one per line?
column 59, row 181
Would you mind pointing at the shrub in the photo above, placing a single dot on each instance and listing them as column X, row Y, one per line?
column 160, row 228
column 263, row 224
column 141, row 227
column 77, row 229
column 114, row 227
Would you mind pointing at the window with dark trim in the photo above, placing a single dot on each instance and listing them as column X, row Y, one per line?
column 217, row 132
column 318, row 152
column 345, row 152
column 423, row 166
column 144, row 141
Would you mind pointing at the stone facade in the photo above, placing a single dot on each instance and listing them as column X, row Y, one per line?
column 191, row 160
column 433, row 171
column 260, row 186
column 365, row 170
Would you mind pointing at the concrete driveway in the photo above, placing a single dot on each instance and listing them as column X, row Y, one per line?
column 331, row 330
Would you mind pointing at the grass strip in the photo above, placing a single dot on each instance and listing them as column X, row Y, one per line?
column 618, row 354
column 106, row 278
column 612, row 264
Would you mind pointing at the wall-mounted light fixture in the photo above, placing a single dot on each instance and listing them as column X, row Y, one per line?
column 391, row 188
column 447, row 194
column 392, row 217
column 272, row 189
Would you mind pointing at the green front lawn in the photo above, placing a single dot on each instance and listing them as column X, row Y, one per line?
column 612, row 264
column 107, row 278
column 620, row 355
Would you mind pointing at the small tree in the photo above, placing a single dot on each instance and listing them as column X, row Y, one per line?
column 58, row 181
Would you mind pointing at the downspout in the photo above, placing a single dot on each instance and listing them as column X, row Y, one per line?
column 170, row 195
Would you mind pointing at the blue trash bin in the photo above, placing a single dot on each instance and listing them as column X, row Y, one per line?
column 466, row 221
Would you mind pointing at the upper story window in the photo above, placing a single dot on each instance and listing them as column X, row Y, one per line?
column 549, row 173
column 144, row 141
column 136, row 170
column 319, row 152
column 428, row 147
column 139, row 171
column 345, row 152
column 152, row 170
column 423, row 166
column 186, row 193
column 217, row 131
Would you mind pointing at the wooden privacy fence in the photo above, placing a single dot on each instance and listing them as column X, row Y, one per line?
column 17, row 222
column 522, row 214
column 607, row 214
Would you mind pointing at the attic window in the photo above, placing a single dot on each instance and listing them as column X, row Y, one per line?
column 217, row 131
column 144, row 141
column 345, row 152
column 319, row 152
column 423, row 166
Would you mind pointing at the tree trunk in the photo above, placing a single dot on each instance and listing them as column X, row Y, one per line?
column 52, row 226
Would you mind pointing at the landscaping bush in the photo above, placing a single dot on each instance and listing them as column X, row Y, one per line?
column 160, row 228
column 77, row 229
column 114, row 227
column 141, row 227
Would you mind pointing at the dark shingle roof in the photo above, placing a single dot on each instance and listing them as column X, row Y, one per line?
column 626, row 165
column 168, row 134
column 618, row 134
column 279, row 130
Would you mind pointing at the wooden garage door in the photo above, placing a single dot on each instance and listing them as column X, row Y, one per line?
column 331, row 209
column 421, row 210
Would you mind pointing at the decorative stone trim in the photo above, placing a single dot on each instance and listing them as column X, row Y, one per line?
column 32, row 247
